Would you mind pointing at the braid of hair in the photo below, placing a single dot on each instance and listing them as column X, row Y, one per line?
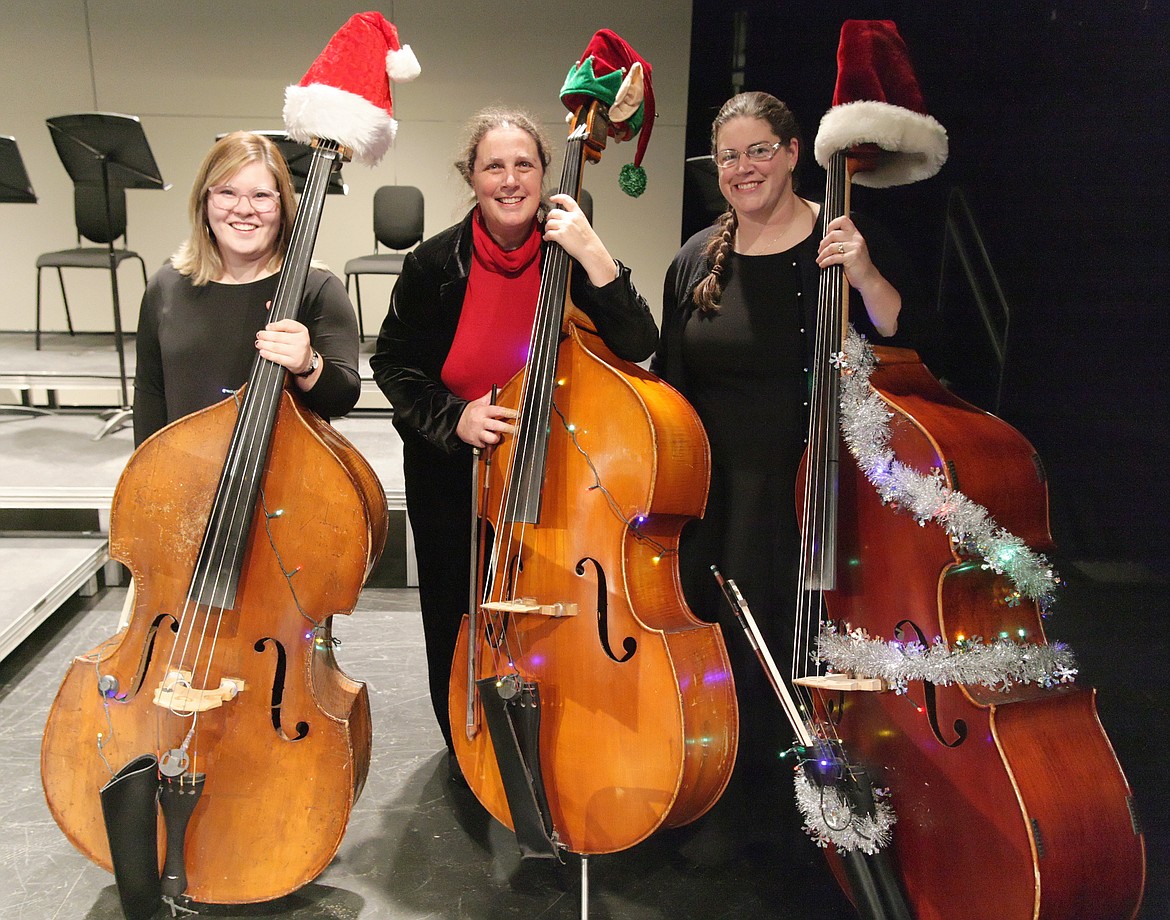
column 710, row 289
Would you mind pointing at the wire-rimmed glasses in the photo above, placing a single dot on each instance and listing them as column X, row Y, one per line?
column 264, row 200
column 757, row 153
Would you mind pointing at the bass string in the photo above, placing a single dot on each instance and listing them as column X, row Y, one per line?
column 528, row 456
column 208, row 571
column 223, row 540
column 527, row 466
column 234, row 504
column 812, row 510
column 523, row 476
column 818, row 513
column 826, row 375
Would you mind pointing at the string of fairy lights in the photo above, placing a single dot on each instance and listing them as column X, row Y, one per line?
column 634, row 521
column 999, row 664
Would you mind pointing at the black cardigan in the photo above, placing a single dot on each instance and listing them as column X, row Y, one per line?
column 690, row 266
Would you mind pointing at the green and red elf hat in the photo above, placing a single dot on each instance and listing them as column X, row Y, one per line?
column 877, row 101
column 614, row 73
column 345, row 95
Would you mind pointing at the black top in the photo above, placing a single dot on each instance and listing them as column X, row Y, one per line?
column 745, row 364
column 196, row 345
column 745, row 369
column 690, row 266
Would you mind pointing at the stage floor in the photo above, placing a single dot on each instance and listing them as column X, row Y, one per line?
column 416, row 847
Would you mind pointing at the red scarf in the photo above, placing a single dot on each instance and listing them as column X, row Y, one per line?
column 499, row 308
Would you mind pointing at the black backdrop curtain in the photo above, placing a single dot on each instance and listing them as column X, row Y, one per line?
column 1057, row 117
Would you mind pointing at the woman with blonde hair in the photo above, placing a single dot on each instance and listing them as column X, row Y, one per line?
column 204, row 316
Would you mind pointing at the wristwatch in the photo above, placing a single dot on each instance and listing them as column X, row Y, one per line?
column 314, row 363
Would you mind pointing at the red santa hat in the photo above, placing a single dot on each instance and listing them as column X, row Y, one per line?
column 612, row 71
column 345, row 96
column 878, row 101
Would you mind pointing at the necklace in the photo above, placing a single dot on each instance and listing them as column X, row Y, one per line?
column 778, row 239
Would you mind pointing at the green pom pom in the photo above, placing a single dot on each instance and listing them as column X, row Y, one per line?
column 632, row 180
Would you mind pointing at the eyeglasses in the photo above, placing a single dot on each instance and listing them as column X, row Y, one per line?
column 757, row 153
column 264, row 200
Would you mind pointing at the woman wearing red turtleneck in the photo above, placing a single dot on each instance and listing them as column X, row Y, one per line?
column 459, row 323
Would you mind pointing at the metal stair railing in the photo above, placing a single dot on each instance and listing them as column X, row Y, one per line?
column 961, row 234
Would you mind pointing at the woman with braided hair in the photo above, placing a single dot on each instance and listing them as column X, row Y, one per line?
column 738, row 324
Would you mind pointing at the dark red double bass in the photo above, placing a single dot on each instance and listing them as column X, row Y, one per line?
column 1009, row 804
column 246, row 526
column 581, row 599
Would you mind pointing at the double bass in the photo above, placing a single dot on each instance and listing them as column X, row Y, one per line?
column 579, row 610
column 246, row 527
column 922, row 671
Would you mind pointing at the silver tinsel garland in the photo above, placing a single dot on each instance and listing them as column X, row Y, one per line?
column 865, row 417
column 999, row 664
column 828, row 818
column 865, row 427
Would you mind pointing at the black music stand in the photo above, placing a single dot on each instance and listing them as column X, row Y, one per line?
column 111, row 150
column 15, row 187
column 298, row 157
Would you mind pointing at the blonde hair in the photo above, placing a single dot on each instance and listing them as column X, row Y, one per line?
column 198, row 257
column 767, row 108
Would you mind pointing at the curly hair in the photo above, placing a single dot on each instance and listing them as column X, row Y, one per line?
column 488, row 119
column 780, row 119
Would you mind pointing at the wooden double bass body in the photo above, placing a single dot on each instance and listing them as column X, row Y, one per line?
column 226, row 671
column 1009, row 800
column 638, row 718
column 1010, row 804
column 637, row 702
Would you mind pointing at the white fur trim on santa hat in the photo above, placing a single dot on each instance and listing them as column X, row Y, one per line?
column 321, row 111
column 402, row 66
column 917, row 140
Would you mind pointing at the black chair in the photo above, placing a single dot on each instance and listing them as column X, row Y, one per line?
column 398, row 225
column 99, row 224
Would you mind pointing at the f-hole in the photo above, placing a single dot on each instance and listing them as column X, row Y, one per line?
column 278, row 690
column 629, row 644
column 160, row 622
column 512, row 570
column 834, row 707
column 929, row 695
